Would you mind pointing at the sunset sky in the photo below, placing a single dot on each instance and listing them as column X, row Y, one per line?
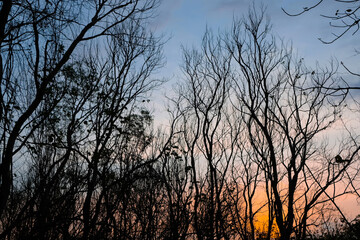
column 179, row 119
column 185, row 21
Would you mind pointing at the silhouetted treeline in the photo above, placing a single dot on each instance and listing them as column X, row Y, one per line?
column 242, row 156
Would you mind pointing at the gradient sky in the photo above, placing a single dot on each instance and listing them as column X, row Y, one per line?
column 185, row 21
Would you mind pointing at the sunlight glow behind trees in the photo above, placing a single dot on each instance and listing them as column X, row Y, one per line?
column 245, row 154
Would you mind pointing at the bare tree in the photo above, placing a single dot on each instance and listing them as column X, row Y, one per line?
column 80, row 124
column 285, row 106
column 204, row 129
column 345, row 19
column 37, row 39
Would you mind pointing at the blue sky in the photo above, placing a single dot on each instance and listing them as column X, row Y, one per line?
column 185, row 21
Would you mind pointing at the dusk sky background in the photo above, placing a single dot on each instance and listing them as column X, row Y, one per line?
column 97, row 144
column 183, row 23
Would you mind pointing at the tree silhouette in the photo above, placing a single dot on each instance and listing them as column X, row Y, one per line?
column 345, row 19
column 243, row 155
